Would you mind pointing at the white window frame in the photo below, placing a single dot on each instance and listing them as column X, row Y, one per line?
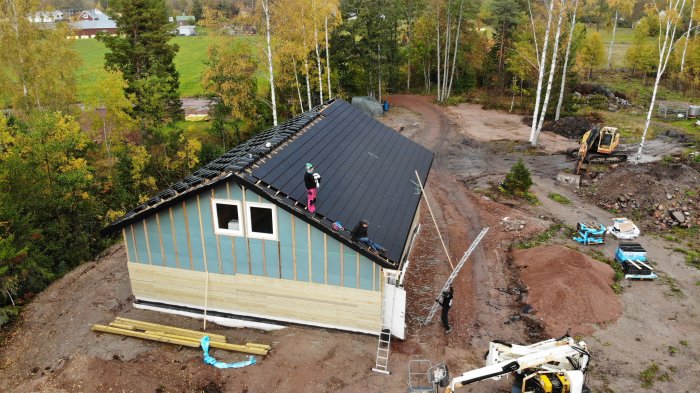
column 248, row 221
column 228, row 232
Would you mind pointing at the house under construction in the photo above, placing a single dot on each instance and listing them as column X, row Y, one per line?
column 235, row 237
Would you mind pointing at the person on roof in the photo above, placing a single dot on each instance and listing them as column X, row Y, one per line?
column 359, row 233
column 312, row 181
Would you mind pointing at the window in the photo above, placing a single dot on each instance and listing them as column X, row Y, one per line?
column 261, row 220
column 227, row 217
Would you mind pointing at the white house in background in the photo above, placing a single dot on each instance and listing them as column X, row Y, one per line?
column 186, row 30
column 47, row 16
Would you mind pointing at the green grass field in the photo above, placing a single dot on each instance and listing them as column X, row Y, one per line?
column 189, row 61
column 623, row 41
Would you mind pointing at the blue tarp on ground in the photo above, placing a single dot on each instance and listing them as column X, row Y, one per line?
column 210, row 360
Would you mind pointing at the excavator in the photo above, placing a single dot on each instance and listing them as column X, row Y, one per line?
column 551, row 366
column 598, row 146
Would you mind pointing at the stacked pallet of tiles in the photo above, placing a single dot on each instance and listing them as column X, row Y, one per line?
column 174, row 335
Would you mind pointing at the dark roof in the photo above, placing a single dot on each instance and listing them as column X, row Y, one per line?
column 367, row 172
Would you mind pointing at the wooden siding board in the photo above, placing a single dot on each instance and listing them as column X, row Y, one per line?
column 261, row 296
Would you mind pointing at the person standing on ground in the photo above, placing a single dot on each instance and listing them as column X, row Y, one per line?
column 359, row 233
column 312, row 181
column 446, row 303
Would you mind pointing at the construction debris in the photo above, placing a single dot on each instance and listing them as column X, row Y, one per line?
column 590, row 233
column 623, row 229
column 633, row 259
column 173, row 335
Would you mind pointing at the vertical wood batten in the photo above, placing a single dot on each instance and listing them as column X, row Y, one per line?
column 172, row 229
column 294, row 246
column 201, row 234
column 148, row 243
column 126, row 245
column 342, row 264
column 213, row 230
column 247, row 241
column 187, row 231
column 160, row 239
column 233, row 241
column 325, row 258
column 133, row 239
column 308, row 239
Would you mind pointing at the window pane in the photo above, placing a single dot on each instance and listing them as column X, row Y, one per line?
column 261, row 220
column 228, row 216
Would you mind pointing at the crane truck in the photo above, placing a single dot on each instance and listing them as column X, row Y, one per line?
column 551, row 366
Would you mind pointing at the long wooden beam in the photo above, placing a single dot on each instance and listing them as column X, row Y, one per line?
column 180, row 340
column 168, row 329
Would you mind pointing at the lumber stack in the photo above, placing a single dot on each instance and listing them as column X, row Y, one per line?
column 174, row 335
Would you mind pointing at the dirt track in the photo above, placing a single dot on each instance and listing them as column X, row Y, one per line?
column 72, row 358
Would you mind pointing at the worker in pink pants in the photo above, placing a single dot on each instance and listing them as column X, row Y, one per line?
column 312, row 181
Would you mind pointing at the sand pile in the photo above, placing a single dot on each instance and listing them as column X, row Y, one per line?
column 567, row 289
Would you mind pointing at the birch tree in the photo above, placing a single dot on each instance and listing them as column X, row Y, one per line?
column 265, row 5
column 566, row 59
column 621, row 8
column 453, row 25
column 37, row 65
column 553, row 64
column 668, row 23
column 540, row 78
column 687, row 35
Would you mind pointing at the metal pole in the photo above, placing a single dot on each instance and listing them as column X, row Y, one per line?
column 435, row 222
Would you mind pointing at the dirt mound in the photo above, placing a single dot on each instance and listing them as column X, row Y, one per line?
column 567, row 289
column 658, row 195
column 573, row 126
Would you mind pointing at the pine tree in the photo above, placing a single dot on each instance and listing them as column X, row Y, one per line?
column 141, row 51
column 518, row 181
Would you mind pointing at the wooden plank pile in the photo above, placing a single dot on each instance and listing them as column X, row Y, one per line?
column 174, row 335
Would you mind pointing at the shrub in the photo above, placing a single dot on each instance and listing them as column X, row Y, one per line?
column 518, row 180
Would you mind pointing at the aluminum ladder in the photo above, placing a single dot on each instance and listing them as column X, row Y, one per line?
column 454, row 273
column 384, row 339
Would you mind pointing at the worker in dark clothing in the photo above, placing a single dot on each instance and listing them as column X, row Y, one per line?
column 359, row 233
column 446, row 303
column 312, row 181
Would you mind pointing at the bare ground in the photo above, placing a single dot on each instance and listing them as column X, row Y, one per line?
column 52, row 349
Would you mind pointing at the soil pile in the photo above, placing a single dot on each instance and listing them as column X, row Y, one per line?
column 656, row 196
column 573, row 127
column 567, row 289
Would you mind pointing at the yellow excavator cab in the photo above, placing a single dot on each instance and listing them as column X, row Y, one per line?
column 598, row 146
column 608, row 141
